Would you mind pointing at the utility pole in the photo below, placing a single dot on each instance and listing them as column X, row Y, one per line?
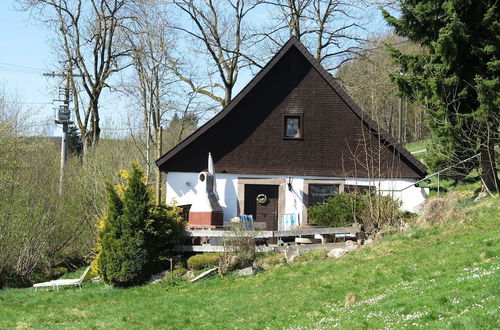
column 63, row 115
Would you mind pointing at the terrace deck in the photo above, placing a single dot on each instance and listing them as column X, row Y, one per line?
column 265, row 234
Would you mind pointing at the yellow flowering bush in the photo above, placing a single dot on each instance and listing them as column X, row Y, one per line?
column 135, row 237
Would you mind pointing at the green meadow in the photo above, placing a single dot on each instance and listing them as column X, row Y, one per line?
column 434, row 275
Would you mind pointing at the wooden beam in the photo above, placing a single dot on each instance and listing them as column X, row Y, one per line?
column 269, row 234
column 260, row 248
column 316, row 231
column 256, row 225
column 227, row 233
column 310, row 247
column 200, row 248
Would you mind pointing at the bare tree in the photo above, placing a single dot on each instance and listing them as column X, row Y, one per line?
column 88, row 41
column 331, row 29
column 371, row 158
column 149, row 51
column 366, row 79
column 216, row 29
column 156, row 91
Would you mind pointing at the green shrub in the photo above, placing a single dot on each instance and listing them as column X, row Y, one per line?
column 135, row 237
column 204, row 260
column 339, row 210
column 239, row 251
column 10, row 279
column 380, row 212
column 375, row 212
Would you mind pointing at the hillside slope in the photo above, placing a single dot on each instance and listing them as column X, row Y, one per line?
column 434, row 276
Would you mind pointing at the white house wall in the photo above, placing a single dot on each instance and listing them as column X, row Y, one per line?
column 182, row 187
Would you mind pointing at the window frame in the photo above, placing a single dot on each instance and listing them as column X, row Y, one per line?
column 309, row 195
column 305, row 191
column 298, row 115
column 341, row 183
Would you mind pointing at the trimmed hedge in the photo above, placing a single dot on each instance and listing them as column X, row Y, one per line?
column 339, row 210
column 375, row 212
column 204, row 260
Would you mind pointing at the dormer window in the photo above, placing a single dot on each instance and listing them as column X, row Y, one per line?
column 293, row 126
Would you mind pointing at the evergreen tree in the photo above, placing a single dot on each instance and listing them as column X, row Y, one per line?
column 135, row 237
column 179, row 128
column 75, row 144
column 457, row 79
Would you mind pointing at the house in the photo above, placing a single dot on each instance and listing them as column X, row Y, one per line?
column 290, row 139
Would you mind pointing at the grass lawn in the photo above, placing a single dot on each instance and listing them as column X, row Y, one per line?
column 433, row 276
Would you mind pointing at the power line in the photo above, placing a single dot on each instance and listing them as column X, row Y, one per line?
column 22, row 102
column 22, row 67
column 35, row 125
column 21, row 71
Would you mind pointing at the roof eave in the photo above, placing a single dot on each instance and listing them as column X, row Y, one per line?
column 255, row 80
column 328, row 78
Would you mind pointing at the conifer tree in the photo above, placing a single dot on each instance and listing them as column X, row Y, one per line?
column 458, row 79
column 135, row 236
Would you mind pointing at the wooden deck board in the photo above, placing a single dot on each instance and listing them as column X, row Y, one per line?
column 227, row 233
column 260, row 248
column 267, row 234
column 270, row 234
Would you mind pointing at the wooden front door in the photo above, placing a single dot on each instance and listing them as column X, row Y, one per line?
column 262, row 211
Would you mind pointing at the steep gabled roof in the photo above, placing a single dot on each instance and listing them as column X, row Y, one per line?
column 293, row 42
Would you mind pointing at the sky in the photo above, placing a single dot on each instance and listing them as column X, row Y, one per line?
column 25, row 54
column 24, row 57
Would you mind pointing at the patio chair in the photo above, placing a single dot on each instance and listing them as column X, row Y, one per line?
column 288, row 220
column 86, row 276
column 246, row 221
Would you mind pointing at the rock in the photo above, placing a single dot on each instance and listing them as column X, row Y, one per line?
column 158, row 277
column 249, row 271
column 291, row 253
column 245, row 272
column 337, row 253
column 368, row 241
column 305, row 240
column 188, row 275
column 351, row 245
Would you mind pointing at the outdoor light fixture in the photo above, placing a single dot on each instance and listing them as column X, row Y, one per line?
column 289, row 184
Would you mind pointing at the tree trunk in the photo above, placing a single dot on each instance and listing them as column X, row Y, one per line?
column 96, row 129
column 400, row 120
column 488, row 167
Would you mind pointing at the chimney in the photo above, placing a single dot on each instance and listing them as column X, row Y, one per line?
column 205, row 211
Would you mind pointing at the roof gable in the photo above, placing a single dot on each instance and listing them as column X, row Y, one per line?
column 293, row 51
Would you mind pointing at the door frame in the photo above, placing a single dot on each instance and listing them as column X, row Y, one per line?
column 280, row 182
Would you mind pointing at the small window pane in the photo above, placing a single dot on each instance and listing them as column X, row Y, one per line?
column 358, row 189
column 319, row 193
column 292, row 127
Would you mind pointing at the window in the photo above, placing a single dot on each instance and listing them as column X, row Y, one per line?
column 319, row 193
column 293, row 126
column 358, row 189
